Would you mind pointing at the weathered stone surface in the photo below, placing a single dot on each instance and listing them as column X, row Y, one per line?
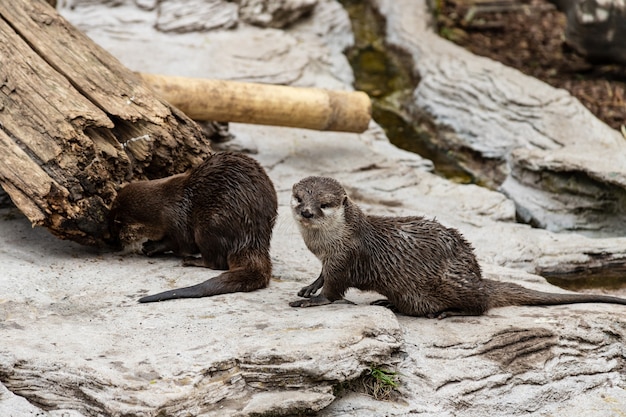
column 75, row 341
column 186, row 16
column 12, row 405
column 489, row 115
column 514, row 361
column 178, row 54
column 571, row 188
column 274, row 13
column 195, row 15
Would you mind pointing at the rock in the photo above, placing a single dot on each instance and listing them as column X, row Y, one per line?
column 12, row 405
column 514, row 361
column 195, row 15
column 274, row 13
column 85, row 344
column 565, row 189
column 202, row 15
column 75, row 340
column 178, row 53
column 287, row 403
column 488, row 115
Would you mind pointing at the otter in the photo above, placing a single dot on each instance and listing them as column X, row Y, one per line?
column 224, row 209
column 423, row 267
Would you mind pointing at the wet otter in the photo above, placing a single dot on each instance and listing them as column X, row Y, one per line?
column 224, row 209
column 421, row 266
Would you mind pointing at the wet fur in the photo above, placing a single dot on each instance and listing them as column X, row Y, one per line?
column 421, row 266
column 224, row 210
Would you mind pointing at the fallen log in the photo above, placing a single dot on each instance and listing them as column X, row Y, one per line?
column 232, row 101
column 75, row 124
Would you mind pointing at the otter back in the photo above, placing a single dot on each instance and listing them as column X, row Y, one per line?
column 224, row 210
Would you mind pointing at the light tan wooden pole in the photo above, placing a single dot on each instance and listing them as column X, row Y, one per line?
column 266, row 104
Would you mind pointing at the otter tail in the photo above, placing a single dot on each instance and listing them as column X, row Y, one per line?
column 235, row 280
column 502, row 294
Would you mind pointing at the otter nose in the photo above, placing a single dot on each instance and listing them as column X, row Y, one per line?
column 306, row 213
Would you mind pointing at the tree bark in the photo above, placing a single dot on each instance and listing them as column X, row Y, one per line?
column 75, row 124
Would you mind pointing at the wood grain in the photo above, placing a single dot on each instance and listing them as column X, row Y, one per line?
column 69, row 112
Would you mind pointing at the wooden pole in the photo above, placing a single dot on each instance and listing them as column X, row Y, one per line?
column 232, row 101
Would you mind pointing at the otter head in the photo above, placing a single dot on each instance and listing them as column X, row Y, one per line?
column 319, row 203
column 136, row 214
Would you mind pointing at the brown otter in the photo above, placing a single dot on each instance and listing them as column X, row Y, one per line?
column 224, row 209
column 421, row 266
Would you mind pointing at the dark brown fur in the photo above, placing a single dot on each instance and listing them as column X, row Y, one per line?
column 224, row 209
column 421, row 266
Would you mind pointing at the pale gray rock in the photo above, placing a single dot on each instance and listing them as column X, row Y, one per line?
column 287, row 403
column 513, row 361
column 12, row 405
column 274, row 13
column 570, row 188
column 184, row 16
column 526, row 356
column 75, row 342
column 75, row 338
column 490, row 115
column 326, row 35
column 246, row 54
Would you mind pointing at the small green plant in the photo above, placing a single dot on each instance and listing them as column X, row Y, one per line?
column 377, row 382
column 380, row 383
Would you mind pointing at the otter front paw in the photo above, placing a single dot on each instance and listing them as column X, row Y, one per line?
column 310, row 290
column 319, row 300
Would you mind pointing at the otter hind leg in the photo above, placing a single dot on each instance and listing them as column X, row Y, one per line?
column 158, row 247
column 214, row 250
column 214, row 263
column 385, row 303
column 453, row 312
column 318, row 300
